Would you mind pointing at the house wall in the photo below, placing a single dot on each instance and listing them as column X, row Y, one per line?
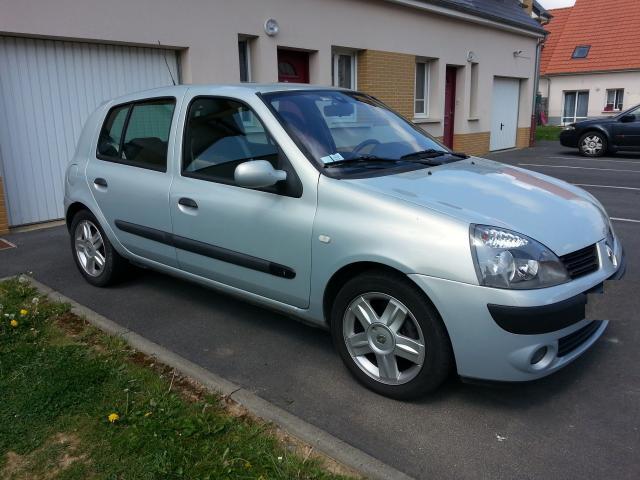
column 387, row 36
column 597, row 84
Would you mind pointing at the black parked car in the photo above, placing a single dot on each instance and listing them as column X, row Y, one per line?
column 596, row 137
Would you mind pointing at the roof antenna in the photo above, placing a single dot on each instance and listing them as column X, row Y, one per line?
column 167, row 64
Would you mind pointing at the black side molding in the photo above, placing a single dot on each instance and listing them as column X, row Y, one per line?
column 541, row 319
column 207, row 250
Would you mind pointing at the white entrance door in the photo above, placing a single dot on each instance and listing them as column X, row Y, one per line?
column 48, row 88
column 504, row 114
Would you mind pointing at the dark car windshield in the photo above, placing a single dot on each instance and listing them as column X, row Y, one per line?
column 350, row 130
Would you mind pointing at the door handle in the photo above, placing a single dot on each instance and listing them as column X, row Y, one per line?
column 188, row 202
column 101, row 182
column 501, row 125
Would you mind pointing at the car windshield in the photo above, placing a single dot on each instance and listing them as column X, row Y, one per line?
column 348, row 129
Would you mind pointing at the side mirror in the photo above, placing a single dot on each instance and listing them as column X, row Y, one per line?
column 258, row 174
column 628, row 118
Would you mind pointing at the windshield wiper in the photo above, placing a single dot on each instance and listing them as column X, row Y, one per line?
column 432, row 153
column 362, row 160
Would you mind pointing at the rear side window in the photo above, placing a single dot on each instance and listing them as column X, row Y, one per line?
column 146, row 134
column 221, row 134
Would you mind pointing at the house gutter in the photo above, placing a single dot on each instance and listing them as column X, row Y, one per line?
column 498, row 23
column 536, row 80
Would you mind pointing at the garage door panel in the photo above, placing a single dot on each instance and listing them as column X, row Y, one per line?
column 48, row 89
column 504, row 113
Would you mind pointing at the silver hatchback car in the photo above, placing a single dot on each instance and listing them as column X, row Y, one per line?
column 326, row 205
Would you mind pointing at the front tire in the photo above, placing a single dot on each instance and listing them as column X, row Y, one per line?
column 95, row 257
column 592, row 144
column 389, row 336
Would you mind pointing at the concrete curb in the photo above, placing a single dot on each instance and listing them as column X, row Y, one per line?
column 317, row 438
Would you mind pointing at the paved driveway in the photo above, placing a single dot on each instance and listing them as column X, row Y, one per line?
column 582, row 422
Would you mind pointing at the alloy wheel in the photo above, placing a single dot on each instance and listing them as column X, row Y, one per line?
column 383, row 338
column 90, row 248
column 592, row 145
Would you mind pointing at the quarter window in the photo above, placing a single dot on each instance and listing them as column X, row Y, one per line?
column 111, row 133
column 614, row 100
column 146, row 139
column 220, row 134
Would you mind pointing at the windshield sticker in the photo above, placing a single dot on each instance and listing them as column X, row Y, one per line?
column 332, row 158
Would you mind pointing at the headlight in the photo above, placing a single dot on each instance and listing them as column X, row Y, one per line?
column 570, row 127
column 506, row 259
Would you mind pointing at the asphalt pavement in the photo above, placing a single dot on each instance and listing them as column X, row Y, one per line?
column 582, row 422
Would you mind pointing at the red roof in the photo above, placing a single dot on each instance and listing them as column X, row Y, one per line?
column 611, row 29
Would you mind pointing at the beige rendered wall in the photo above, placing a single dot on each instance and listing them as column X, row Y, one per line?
column 207, row 32
column 597, row 85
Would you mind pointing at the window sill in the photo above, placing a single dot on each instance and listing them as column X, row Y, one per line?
column 425, row 120
column 611, row 111
column 473, row 119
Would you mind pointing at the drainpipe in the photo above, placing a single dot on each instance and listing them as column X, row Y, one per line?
column 532, row 130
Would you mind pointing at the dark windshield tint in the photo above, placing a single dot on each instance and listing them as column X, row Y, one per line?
column 335, row 126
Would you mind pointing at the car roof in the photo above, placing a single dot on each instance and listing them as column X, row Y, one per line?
column 239, row 89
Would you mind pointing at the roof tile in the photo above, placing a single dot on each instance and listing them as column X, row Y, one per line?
column 612, row 29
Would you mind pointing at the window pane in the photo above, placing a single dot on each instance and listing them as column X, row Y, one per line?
column 421, row 71
column 419, row 106
column 147, row 137
column 583, row 104
column 244, row 60
column 344, row 71
column 111, row 133
column 221, row 134
column 569, row 104
column 619, row 99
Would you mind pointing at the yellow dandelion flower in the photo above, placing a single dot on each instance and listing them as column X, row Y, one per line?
column 23, row 312
column 247, row 465
column 113, row 417
column 14, row 323
column 148, row 414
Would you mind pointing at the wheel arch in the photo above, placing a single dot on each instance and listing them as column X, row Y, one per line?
column 72, row 210
column 596, row 129
column 346, row 272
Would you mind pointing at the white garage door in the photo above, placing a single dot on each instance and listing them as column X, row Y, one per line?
column 47, row 90
column 504, row 115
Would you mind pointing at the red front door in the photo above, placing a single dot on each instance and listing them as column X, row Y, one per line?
column 449, row 106
column 293, row 66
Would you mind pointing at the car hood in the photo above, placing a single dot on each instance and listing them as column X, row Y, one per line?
column 563, row 217
column 595, row 121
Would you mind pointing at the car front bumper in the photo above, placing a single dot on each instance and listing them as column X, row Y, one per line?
column 569, row 138
column 498, row 334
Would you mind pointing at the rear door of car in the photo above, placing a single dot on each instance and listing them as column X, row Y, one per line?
column 257, row 240
column 627, row 134
column 129, row 176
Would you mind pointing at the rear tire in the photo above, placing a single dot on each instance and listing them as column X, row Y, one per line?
column 592, row 144
column 390, row 336
column 95, row 257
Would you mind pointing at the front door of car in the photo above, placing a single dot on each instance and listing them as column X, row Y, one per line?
column 257, row 240
column 129, row 178
column 627, row 132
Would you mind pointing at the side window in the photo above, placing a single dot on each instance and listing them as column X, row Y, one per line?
column 146, row 139
column 219, row 135
column 111, row 133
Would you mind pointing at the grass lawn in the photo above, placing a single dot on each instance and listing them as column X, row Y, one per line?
column 548, row 132
column 78, row 404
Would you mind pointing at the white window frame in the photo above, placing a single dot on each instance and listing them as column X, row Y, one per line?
column 247, row 55
column 615, row 98
column 575, row 109
column 427, row 83
column 354, row 66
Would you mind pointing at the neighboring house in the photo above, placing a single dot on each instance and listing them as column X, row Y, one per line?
column 590, row 64
column 464, row 70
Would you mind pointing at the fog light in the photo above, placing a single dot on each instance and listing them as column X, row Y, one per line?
column 538, row 355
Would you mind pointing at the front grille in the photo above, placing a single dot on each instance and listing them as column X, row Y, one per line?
column 581, row 262
column 572, row 341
